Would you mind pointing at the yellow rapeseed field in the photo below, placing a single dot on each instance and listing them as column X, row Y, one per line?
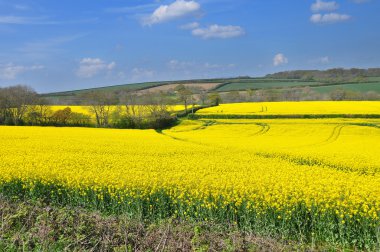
column 87, row 109
column 285, row 108
column 319, row 178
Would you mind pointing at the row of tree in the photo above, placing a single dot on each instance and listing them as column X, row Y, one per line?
column 21, row 105
column 296, row 94
column 330, row 75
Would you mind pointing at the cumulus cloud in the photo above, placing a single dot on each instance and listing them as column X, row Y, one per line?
column 320, row 5
column 89, row 67
column 11, row 71
column 280, row 59
column 190, row 26
column 219, row 31
column 175, row 10
column 329, row 18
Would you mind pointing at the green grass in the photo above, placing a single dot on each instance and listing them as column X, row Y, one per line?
column 264, row 84
column 37, row 226
column 144, row 85
column 304, row 225
column 136, row 86
column 373, row 79
column 356, row 87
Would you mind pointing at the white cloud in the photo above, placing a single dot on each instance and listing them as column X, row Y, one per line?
column 320, row 5
column 329, row 18
column 89, row 67
column 11, row 71
column 219, row 31
column 175, row 10
column 190, row 26
column 280, row 59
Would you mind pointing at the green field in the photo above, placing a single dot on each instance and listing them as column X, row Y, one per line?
column 146, row 85
column 373, row 79
column 264, row 84
column 356, row 87
column 136, row 86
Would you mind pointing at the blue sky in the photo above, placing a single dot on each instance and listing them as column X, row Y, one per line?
column 63, row 45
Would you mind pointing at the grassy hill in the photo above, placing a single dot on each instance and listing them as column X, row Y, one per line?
column 223, row 85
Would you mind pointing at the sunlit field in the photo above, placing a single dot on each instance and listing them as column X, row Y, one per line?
column 291, row 108
column 87, row 109
column 304, row 179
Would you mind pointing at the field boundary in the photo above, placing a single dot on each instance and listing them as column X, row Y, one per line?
column 317, row 84
column 281, row 116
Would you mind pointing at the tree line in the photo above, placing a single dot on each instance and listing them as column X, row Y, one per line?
column 297, row 94
column 21, row 105
column 334, row 75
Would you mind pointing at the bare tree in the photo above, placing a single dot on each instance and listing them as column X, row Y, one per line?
column 40, row 113
column 184, row 95
column 203, row 96
column 100, row 105
column 15, row 102
column 250, row 93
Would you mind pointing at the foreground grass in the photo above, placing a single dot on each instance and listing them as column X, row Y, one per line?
column 36, row 226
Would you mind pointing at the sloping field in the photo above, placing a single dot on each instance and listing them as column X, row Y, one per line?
column 264, row 84
column 136, row 86
column 266, row 176
column 357, row 87
column 312, row 180
column 294, row 108
column 342, row 144
column 205, row 86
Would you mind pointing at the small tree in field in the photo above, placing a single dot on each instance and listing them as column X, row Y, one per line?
column 215, row 98
column 184, row 94
column 100, row 105
column 14, row 103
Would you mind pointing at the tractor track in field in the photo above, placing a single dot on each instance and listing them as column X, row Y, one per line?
column 264, row 129
column 314, row 162
column 334, row 135
column 332, row 138
column 180, row 139
column 201, row 127
column 371, row 125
